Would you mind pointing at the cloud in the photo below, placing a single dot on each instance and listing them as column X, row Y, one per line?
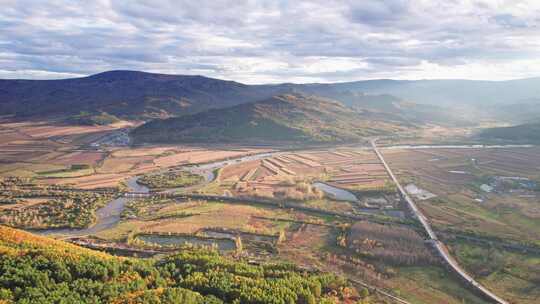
column 271, row 41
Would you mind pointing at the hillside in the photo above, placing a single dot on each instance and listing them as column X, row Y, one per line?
column 282, row 118
column 525, row 133
column 36, row 269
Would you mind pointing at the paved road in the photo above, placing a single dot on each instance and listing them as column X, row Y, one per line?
column 438, row 245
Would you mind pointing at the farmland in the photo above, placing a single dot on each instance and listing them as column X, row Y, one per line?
column 351, row 169
column 60, row 154
column 292, row 176
column 457, row 177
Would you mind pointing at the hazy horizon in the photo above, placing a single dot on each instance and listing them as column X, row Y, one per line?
column 277, row 82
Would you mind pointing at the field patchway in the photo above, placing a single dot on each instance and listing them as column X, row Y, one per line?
column 487, row 192
column 56, row 153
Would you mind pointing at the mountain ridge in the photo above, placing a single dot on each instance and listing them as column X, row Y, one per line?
column 282, row 118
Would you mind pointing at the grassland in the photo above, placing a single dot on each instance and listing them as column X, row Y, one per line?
column 430, row 284
column 160, row 216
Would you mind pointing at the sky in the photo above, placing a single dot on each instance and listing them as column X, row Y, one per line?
column 272, row 41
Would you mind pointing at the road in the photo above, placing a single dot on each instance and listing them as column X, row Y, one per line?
column 432, row 237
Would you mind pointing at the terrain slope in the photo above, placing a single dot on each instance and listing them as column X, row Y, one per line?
column 524, row 133
column 36, row 269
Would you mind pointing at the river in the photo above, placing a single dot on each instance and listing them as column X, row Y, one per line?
column 108, row 216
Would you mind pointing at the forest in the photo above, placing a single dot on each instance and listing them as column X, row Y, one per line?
column 35, row 269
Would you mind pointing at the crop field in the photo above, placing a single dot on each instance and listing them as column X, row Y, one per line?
column 457, row 176
column 195, row 156
column 350, row 169
column 79, row 157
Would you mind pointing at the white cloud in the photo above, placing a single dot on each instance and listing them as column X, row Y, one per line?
column 273, row 41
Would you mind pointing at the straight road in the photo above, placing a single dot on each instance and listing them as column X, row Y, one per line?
column 432, row 237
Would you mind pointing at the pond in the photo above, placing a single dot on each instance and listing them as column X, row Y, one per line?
column 336, row 193
column 244, row 235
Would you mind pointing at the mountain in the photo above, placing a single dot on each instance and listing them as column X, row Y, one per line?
column 284, row 118
column 525, row 133
column 127, row 94
column 35, row 269
column 141, row 95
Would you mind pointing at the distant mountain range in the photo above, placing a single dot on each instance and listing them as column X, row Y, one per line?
column 132, row 94
column 283, row 118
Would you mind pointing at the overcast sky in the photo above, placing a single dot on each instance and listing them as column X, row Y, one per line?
column 272, row 41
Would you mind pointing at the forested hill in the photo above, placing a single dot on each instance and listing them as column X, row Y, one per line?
column 36, row 269
column 525, row 133
column 283, row 118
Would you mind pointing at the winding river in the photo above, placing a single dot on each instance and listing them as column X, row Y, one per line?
column 108, row 216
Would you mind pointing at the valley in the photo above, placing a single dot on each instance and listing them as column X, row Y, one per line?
column 330, row 208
